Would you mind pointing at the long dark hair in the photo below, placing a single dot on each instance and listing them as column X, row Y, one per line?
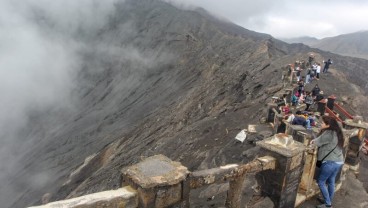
column 333, row 126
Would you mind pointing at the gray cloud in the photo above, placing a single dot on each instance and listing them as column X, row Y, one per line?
column 289, row 18
column 44, row 46
column 40, row 56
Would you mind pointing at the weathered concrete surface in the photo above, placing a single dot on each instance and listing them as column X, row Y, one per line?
column 282, row 144
column 230, row 172
column 124, row 197
column 155, row 171
column 158, row 181
column 308, row 171
column 356, row 123
column 282, row 184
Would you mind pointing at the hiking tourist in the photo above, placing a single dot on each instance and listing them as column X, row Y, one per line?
column 320, row 96
column 301, row 87
column 312, row 118
column 310, row 59
column 301, row 120
column 314, row 67
column 308, row 100
column 294, row 99
column 318, row 70
column 327, row 65
column 298, row 73
column 307, row 79
column 330, row 144
column 315, row 90
column 301, row 98
column 289, row 117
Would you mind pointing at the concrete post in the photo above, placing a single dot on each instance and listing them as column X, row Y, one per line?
column 322, row 106
column 270, row 112
column 281, row 184
column 289, row 93
column 306, row 188
column 233, row 199
column 330, row 101
column 158, row 180
column 356, row 139
column 293, row 130
column 279, row 126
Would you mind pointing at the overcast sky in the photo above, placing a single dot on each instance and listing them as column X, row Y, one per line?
column 291, row 18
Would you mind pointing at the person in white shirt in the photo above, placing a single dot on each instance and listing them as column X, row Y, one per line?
column 289, row 118
column 318, row 70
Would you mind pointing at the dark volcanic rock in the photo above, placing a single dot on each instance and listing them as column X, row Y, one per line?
column 178, row 83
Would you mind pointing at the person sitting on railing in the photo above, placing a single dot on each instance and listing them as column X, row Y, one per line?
column 330, row 145
column 284, row 99
column 301, row 120
column 312, row 118
column 308, row 100
column 301, row 98
column 285, row 109
column 294, row 99
column 289, row 118
column 301, row 86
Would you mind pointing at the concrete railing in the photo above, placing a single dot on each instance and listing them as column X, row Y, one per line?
column 285, row 172
column 124, row 197
column 234, row 174
column 159, row 182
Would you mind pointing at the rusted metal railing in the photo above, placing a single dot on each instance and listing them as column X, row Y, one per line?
column 343, row 111
column 332, row 114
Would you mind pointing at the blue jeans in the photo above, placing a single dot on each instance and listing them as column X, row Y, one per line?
column 308, row 124
column 307, row 79
column 327, row 175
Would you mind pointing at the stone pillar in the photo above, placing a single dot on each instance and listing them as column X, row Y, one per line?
column 330, row 101
column 158, row 181
column 233, row 199
column 281, row 184
column 356, row 139
column 293, row 130
column 270, row 112
column 289, row 93
column 279, row 125
column 303, row 136
column 321, row 106
column 306, row 186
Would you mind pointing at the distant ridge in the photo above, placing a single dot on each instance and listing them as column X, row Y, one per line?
column 307, row 40
column 352, row 44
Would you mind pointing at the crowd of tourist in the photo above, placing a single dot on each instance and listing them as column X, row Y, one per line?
column 306, row 73
column 329, row 139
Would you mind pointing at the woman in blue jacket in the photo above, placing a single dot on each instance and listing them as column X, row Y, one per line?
column 330, row 142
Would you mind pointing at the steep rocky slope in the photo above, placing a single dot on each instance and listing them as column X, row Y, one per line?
column 180, row 83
